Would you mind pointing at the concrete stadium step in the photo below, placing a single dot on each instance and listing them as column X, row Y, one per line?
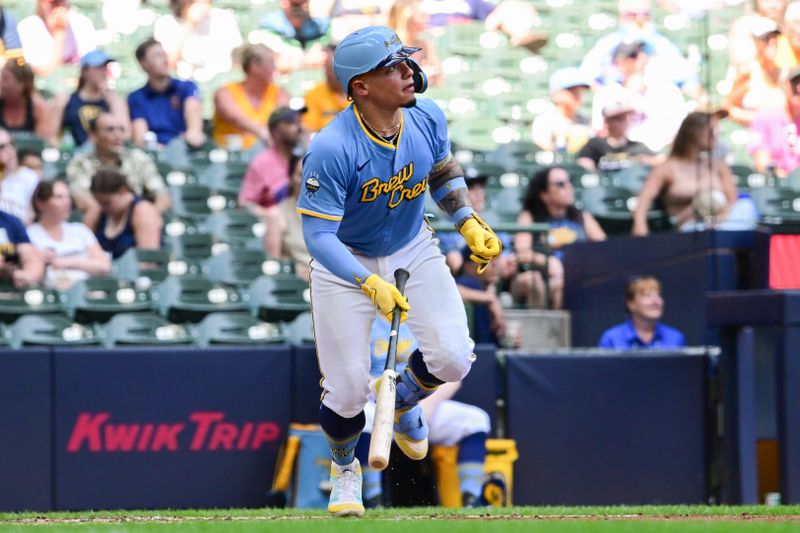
column 540, row 328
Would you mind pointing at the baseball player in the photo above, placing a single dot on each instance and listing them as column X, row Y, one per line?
column 362, row 205
column 450, row 423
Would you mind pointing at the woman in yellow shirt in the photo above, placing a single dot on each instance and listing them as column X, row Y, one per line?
column 241, row 109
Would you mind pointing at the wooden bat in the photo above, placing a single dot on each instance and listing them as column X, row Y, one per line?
column 383, row 423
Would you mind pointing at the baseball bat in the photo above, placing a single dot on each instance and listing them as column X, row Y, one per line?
column 383, row 424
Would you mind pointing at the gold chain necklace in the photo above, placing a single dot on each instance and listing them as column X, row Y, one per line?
column 388, row 131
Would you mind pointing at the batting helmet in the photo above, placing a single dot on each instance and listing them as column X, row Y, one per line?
column 371, row 48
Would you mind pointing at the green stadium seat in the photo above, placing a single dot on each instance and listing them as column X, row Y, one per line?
column 153, row 266
column 223, row 177
column 236, row 328
column 197, row 201
column 191, row 247
column 234, row 226
column 52, row 330
column 517, row 157
column 190, row 298
column 242, row 267
column 777, row 206
column 15, row 303
column 144, row 329
column 631, row 178
column 98, row 299
column 279, row 299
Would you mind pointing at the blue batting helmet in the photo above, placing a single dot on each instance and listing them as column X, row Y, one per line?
column 371, row 48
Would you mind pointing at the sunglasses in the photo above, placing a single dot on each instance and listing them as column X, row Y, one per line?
column 6, row 145
column 561, row 184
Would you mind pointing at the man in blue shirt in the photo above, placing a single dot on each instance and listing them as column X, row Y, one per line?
column 20, row 262
column 167, row 106
column 643, row 329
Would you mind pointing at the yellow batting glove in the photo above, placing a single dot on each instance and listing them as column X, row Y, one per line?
column 482, row 241
column 385, row 296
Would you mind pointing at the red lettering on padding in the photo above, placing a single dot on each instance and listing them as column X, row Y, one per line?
column 87, row 428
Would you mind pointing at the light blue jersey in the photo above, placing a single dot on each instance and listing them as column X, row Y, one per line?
column 375, row 190
column 379, row 346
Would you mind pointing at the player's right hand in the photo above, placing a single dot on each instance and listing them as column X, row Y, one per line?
column 385, row 296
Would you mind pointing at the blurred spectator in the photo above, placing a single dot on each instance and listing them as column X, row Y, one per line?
column 199, row 39
column 550, row 199
column 326, row 99
column 741, row 48
column 166, row 106
column 284, row 236
column 775, row 132
column 562, row 128
column 241, row 109
column 124, row 16
column 297, row 38
column 787, row 53
column 69, row 249
column 517, row 19
column 108, row 135
column 410, row 22
column 643, row 329
column 756, row 86
column 74, row 112
column 350, row 15
column 16, row 182
column 635, row 25
column 489, row 320
column 267, row 179
column 658, row 105
column 693, row 186
column 55, row 35
column 10, row 43
column 20, row 263
column 126, row 220
column 614, row 150
column 31, row 159
column 22, row 109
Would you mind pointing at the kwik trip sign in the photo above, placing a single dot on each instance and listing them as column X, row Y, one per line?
column 201, row 431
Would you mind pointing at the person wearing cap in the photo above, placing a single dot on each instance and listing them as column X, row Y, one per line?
column 55, row 35
column 614, row 150
column 775, row 132
column 241, row 109
column 326, row 99
column 166, row 106
column 635, row 23
column 563, row 128
column 108, row 133
column 74, row 112
column 363, row 211
column 757, row 85
column 267, row 179
column 658, row 104
column 741, row 48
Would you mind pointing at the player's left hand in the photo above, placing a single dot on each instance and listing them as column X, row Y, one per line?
column 482, row 241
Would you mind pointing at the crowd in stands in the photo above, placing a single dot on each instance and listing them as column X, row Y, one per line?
column 635, row 100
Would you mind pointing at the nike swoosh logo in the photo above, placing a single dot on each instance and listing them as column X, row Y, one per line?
column 360, row 167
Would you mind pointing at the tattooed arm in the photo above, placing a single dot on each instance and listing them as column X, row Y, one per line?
column 449, row 190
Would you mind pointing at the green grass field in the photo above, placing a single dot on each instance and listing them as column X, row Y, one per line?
column 538, row 519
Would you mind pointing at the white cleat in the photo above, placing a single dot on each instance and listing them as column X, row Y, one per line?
column 345, row 497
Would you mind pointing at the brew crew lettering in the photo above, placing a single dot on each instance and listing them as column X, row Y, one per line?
column 394, row 187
